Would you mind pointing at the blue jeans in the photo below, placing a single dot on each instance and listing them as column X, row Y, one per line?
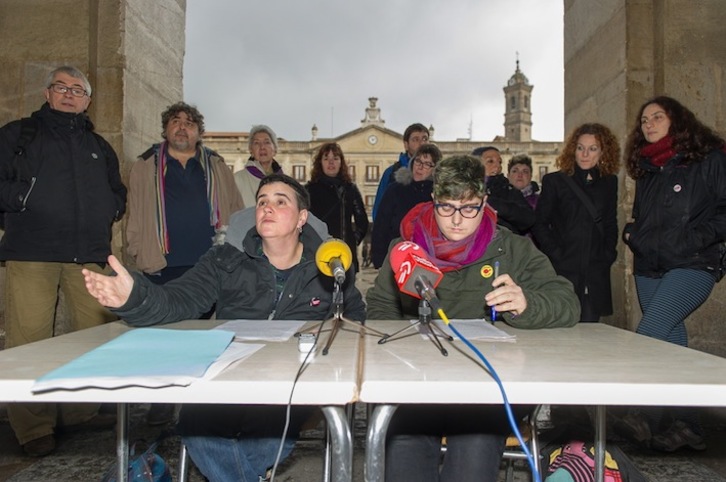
column 245, row 459
column 231, row 443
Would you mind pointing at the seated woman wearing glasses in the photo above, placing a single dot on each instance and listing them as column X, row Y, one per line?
column 458, row 230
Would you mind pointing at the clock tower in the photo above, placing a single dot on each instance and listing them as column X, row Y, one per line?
column 518, row 108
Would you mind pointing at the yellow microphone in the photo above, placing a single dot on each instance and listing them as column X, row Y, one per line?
column 333, row 258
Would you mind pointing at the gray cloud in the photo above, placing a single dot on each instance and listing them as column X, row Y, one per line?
column 291, row 64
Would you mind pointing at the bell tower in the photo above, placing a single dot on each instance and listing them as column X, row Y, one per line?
column 518, row 107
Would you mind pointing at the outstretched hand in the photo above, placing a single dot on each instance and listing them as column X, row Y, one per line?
column 111, row 291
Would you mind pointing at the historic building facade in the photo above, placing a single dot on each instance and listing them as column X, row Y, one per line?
column 372, row 147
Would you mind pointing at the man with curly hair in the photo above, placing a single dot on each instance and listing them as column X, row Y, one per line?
column 181, row 194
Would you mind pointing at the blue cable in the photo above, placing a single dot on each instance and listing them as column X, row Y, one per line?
column 507, row 407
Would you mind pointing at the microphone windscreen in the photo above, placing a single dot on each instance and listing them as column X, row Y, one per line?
column 333, row 248
column 409, row 262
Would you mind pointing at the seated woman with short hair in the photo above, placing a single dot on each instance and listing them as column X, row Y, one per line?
column 459, row 233
column 249, row 276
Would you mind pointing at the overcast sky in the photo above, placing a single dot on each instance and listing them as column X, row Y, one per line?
column 294, row 63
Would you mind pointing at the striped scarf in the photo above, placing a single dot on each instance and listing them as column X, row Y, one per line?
column 212, row 194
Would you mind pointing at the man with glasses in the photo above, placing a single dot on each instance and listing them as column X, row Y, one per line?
column 181, row 194
column 412, row 186
column 60, row 193
column 414, row 137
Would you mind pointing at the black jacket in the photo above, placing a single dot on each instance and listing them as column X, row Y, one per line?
column 339, row 204
column 62, row 195
column 513, row 210
column 679, row 216
column 242, row 284
column 580, row 249
column 399, row 198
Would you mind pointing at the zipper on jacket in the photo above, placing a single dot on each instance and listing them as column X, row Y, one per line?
column 25, row 199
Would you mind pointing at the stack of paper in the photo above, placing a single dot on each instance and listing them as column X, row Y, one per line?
column 146, row 357
column 268, row 330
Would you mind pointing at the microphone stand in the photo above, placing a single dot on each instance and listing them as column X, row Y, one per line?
column 427, row 328
column 338, row 322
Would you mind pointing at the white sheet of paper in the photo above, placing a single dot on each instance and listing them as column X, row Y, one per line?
column 478, row 329
column 268, row 330
column 235, row 352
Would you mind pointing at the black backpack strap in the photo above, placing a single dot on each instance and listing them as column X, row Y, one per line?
column 28, row 129
column 149, row 152
column 586, row 201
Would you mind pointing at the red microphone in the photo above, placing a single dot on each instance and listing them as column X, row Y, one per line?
column 414, row 272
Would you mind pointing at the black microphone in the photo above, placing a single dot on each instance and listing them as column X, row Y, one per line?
column 427, row 292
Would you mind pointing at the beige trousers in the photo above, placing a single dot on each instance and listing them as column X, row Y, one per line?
column 31, row 297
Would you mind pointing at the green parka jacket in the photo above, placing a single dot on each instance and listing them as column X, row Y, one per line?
column 551, row 301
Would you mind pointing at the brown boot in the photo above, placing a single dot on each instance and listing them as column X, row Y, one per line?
column 40, row 447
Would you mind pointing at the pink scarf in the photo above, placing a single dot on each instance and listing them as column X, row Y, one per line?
column 420, row 227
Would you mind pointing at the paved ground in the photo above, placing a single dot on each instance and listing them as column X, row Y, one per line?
column 86, row 456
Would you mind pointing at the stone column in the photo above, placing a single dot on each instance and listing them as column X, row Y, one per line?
column 619, row 53
column 131, row 50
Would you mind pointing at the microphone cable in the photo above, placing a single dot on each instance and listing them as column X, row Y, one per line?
column 536, row 477
column 299, row 373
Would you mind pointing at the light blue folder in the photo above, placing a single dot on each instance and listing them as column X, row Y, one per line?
column 147, row 357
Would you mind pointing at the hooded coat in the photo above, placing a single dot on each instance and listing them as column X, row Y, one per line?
column 240, row 280
column 398, row 199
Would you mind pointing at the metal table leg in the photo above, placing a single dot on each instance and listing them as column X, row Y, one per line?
column 600, row 443
column 342, row 443
column 375, row 466
column 122, row 441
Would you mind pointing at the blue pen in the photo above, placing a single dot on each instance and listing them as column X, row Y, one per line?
column 496, row 275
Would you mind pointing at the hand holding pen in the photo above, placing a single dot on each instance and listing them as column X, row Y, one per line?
column 507, row 295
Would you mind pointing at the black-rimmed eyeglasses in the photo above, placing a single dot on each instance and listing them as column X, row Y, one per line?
column 62, row 89
column 468, row 210
column 426, row 165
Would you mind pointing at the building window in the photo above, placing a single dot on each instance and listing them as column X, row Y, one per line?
column 372, row 174
column 351, row 172
column 299, row 172
column 514, row 102
column 526, row 102
column 370, row 200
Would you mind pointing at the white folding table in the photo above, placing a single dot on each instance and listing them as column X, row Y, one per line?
column 589, row 364
column 266, row 377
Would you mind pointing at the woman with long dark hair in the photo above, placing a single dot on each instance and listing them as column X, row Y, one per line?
column 335, row 199
column 677, row 227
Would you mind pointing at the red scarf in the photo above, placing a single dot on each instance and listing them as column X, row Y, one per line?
column 659, row 152
column 420, row 227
